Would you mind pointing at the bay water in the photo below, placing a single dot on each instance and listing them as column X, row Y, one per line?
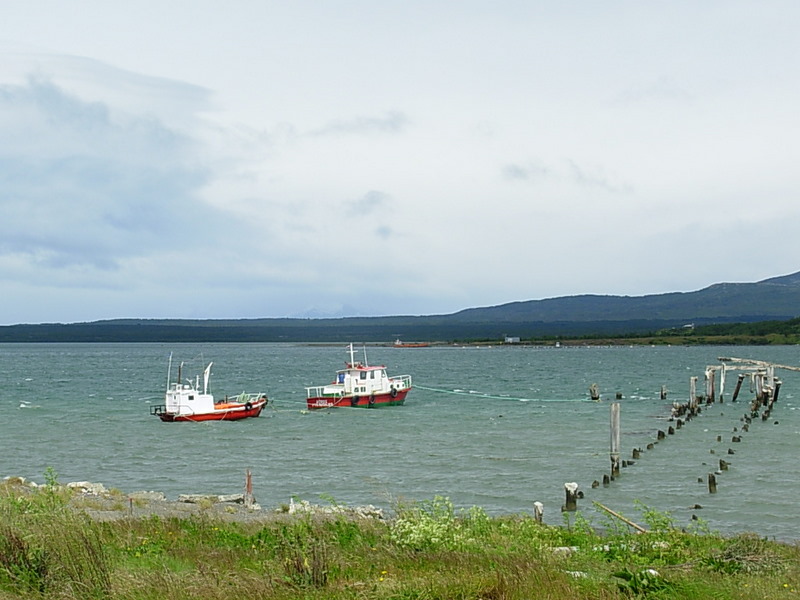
column 500, row 427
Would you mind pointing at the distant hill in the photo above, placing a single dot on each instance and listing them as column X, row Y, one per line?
column 777, row 298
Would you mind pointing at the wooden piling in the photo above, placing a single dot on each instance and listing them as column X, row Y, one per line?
column 738, row 387
column 594, row 392
column 615, row 437
column 571, row 504
column 711, row 385
column 636, row 453
column 249, row 499
column 663, row 394
column 538, row 511
column 712, row 483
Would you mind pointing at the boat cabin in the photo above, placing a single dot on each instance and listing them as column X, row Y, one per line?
column 185, row 399
column 362, row 380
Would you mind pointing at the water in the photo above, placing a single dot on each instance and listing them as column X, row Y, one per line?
column 498, row 427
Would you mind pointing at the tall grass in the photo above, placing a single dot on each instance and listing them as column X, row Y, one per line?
column 428, row 551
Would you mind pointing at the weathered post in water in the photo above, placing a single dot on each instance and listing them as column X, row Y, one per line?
column 712, row 483
column 538, row 511
column 738, row 386
column 710, row 384
column 571, row 504
column 594, row 392
column 615, row 435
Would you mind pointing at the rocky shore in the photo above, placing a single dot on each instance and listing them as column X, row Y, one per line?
column 102, row 504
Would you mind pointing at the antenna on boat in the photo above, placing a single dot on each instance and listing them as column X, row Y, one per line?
column 352, row 356
column 366, row 363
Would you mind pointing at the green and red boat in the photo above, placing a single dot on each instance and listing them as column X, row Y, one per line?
column 360, row 385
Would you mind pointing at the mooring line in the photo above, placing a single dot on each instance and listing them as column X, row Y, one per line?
column 474, row 394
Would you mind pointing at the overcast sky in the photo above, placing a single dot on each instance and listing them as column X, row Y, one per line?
column 247, row 158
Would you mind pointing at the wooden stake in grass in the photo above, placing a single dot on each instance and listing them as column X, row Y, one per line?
column 638, row 528
column 249, row 499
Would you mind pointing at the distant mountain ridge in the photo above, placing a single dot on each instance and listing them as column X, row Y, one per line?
column 776, row 298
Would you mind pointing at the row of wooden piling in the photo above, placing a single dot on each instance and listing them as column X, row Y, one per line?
column 764, row 385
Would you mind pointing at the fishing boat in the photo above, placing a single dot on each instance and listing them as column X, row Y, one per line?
column 186, row 402
column 360, row 385
column 401, row 344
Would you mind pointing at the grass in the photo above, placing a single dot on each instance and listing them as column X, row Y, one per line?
column 428, row 551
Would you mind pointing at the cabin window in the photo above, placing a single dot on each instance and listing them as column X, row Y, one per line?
column 363, row 374
column 191, row 397
column 372, row 374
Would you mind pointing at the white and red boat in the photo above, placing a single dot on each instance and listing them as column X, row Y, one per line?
column 186, row 402
column 360, row 385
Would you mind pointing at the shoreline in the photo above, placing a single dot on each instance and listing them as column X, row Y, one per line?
column 103, row 504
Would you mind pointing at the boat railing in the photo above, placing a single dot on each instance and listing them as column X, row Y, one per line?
column 319, row 391
column 405, row 380
column 180, row 409
column 243, row 398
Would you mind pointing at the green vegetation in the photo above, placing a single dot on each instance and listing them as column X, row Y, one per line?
column 428, row 551
column 762, row 333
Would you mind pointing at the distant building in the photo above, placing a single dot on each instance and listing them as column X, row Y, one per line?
column 511, row 340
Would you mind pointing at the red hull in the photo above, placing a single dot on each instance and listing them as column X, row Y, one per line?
column 376, row 401
column 231, row 414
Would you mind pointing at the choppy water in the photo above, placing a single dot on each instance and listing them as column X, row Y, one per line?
column 498, row 427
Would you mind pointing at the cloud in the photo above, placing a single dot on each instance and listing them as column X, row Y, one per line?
column 391, row 122
column 85, row 185
column 369, row 203
column 526, row 172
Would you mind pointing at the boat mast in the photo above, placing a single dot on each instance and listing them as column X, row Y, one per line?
column 206, row 375
column 169, row 369
column 352, row 356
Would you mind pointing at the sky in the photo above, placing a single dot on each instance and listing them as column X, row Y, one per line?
column 247, row 159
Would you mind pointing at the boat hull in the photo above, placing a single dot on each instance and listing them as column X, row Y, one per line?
column 230, row 413
column 352, row 401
